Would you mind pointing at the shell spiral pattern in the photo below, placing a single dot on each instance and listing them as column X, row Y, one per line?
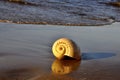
column 65, row 47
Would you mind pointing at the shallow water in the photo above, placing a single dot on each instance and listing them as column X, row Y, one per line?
column 25, row 52
column 61, row 12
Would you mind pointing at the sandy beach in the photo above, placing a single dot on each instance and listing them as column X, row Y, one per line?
column 25, row 52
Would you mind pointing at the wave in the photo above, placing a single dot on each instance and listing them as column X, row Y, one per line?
column 60, row 12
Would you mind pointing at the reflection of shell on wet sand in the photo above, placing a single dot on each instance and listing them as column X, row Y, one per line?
column 65, row 47
column 59, row 69
column 62, row 67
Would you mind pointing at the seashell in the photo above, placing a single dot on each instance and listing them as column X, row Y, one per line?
column 65, row 47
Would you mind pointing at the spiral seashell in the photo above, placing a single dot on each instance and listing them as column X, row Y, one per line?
column 65, row 47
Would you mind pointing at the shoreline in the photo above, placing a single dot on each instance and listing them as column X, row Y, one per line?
column 45, row 24
column 55, row 24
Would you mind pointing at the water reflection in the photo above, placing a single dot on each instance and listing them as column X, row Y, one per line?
column 90, row 56
column 59, row 69
column 64, row 66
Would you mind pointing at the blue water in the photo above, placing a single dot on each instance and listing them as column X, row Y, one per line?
column 61, row 12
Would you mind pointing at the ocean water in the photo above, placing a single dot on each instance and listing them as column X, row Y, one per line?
column 60, row 12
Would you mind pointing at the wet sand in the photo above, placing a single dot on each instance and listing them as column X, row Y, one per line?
column 25, row 52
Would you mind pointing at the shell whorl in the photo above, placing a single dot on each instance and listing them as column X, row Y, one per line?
column 64, row 47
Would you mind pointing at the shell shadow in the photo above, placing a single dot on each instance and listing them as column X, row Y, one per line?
column 90, row 56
